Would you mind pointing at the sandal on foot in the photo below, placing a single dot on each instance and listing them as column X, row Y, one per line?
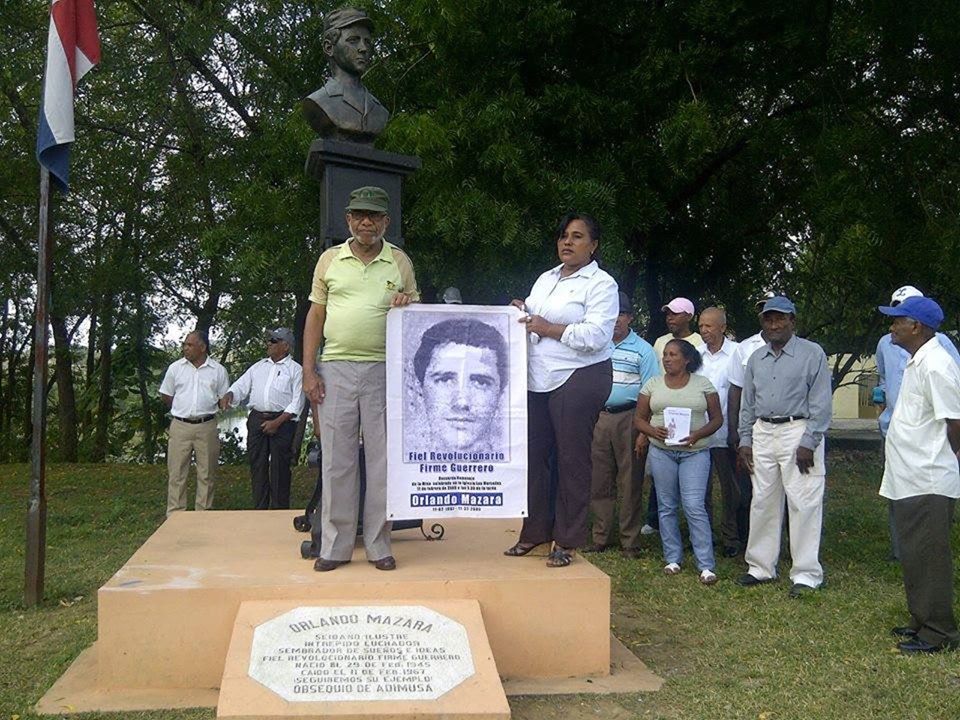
column 520, row 549
column 559, row 557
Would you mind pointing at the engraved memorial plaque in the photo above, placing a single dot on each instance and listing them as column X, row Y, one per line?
column 360, row 653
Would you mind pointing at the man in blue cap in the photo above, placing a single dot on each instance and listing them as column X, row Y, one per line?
column 921, row 476
column 785, row 410
column 891, row 362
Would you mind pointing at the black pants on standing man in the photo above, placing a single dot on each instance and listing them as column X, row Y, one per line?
column 269, row 457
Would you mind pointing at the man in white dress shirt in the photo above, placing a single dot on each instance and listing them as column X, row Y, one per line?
column 273, row 389
column 191, row 389
column 718, row 353
column 921, row 477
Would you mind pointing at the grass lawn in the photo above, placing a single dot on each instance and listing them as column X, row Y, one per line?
column 724, row 652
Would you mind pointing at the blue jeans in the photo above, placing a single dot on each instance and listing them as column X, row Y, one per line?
column 681, row 478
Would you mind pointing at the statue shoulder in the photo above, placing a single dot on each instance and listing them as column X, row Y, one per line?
column 377, row 113
column 322, row 107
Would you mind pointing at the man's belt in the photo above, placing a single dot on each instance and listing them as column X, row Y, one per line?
column 614, row 409
column 195, row 421
column 782, row 420
column 267, row 415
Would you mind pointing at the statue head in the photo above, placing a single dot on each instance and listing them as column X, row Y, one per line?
column 343, row 108
column 348, row 40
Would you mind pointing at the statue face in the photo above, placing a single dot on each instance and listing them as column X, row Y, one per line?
column 353, row 50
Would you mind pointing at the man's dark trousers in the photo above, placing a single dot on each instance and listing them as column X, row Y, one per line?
column 736, row 492
column 923, row 529
column 269, row 457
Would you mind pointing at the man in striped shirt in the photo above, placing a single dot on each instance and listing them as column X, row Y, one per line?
column 614, row 464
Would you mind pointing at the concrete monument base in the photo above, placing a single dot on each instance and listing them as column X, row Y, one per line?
column 167, row 616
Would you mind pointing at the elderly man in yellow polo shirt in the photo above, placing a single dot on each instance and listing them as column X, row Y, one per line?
column 354, row 285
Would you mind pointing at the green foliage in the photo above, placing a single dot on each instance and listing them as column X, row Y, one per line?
column 723, row 652
column 726, row 146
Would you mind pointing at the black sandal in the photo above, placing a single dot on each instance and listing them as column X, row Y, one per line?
column 521, row 549
column 559, row 557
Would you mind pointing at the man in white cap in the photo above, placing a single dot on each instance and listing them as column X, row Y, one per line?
column 891, row 362
column 921, row 478
column 273, row 389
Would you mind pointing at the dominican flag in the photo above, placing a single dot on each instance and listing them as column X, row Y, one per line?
column 73, row 47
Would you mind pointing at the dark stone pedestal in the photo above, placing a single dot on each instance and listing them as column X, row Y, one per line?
column 342, row 167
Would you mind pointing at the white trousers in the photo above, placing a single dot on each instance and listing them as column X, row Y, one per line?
column 775, row 476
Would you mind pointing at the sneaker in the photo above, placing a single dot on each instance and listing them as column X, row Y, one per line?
column 648, row 530
column 708, row 577
column 671, row 569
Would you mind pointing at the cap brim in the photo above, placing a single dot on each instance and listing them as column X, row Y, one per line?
column 782, row 311
column 357, row 21
column 365, row 206
column 895, row 311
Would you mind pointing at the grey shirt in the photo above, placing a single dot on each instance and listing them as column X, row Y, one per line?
column 797, row 383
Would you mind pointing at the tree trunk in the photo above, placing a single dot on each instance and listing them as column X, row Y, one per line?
column 149, row 433
column 104, row 404
column 299, row 321
column 66, row 397
column 91, row 349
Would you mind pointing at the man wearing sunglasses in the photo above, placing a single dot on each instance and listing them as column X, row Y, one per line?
column 273, row 389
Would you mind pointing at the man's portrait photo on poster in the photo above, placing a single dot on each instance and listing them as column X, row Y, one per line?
column 456, row 374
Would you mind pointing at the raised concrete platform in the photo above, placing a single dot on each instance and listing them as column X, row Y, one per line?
column 166, row 617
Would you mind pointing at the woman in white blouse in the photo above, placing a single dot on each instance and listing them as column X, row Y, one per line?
column 571, row 312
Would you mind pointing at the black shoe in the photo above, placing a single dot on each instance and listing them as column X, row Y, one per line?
column 904, row 631
column 594, row 548
column 916, row 646
column 748, row 580
column 630, row 553
column 385, row 563
column 730, row 551
column 798, row 589
column 322, row 565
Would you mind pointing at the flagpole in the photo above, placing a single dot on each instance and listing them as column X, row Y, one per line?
column 37, row 506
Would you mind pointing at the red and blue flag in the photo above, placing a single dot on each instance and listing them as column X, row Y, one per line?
column 73, row 47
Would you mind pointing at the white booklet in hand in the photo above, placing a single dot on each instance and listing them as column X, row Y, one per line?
column 677, row 422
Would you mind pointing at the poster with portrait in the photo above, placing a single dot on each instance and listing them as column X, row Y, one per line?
column 456, row 412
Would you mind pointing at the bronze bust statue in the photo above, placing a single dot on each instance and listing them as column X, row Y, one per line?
column 344, row 109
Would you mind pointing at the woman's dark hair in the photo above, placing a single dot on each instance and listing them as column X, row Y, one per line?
column 593, row 227
column 690, row 354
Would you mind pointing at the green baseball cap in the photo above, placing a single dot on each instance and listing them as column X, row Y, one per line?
column 369, row 198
